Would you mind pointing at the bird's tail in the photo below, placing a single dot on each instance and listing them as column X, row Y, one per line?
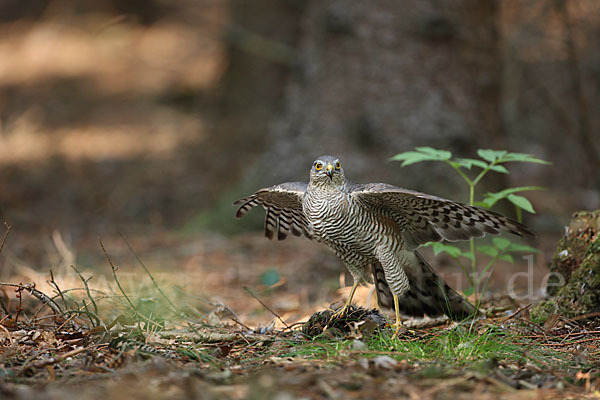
column 428, row 294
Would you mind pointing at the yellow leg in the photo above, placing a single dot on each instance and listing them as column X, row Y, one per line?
column 339, row 313
column 398, row 324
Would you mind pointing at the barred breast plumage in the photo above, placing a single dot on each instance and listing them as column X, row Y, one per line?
column 375, row 230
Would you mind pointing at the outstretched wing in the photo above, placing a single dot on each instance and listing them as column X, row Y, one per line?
column 283, row 205
column 424, row 218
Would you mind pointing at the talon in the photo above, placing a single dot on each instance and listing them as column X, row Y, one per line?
column 341, row 312
column 398, row 327
column 398, row 324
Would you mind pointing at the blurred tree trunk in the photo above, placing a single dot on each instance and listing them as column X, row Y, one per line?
column 261, row 39
column 582, row 125
column 372, row 79
column 377, row 78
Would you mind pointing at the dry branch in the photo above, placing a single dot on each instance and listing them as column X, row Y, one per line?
column 8, row 228
column 287, row 327
column 45, row 299
column 49, row 361
column 198, row 336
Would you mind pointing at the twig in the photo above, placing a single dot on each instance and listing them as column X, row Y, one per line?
column 51, row 360
column 90, row 314
column 87, row 288
column 536, row 326
column 570, row 343
column 10, row 339
column 297, row 324
column 57, row 289
column 139, row 260
column 231, row 314
column 8, row 228
column 586, row 316
column 287, row 327
column 67, row 321
column 240, row 323
column 517, row 312
column 114, row 272
column 565, row 335
column 104, row 294
column 84, row 310
column 19, row 291
column 45, row 299
column 213, row 337
column 200, row 334
column 4, row 307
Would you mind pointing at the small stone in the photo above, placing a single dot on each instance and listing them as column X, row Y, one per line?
column 384, row 362
column 358, row 345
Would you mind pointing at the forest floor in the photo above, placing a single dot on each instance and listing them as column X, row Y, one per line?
column 101, row 131
column 137, row 334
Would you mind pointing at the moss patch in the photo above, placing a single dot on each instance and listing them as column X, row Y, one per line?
column 576, row 262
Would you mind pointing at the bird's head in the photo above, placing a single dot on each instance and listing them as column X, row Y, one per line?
column 327, row 171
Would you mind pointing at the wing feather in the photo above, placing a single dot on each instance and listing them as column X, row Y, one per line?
column 283, row 205
column 424, row 218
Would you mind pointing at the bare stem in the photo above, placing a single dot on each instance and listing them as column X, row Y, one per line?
column 57, row 289
column 8, row 228
column 114, row 272
column 87, row 288
column 139, row 260
column 267, row 307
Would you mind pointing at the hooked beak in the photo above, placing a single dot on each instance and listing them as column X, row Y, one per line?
column 329, row 171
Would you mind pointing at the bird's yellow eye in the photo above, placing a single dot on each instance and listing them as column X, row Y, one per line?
column 318, row 166
column 337, row 165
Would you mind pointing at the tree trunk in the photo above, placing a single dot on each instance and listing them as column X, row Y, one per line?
column 377, row 78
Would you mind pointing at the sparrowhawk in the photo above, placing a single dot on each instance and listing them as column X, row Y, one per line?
column 375, row 228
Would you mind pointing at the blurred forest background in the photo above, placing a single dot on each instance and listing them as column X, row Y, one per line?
column 149, row 117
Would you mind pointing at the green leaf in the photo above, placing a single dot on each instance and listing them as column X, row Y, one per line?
column 469, row 162
column 438, row 154
column 522, row 157
column 422, row 154
column 501, row 243
column 453, row 251
column 469, row 255
column 488, row 250
column 499, row 168
column 468, row 291
column 487, row 155
column 483, row 204
column 491, row 155
column 492, row 198
column 507, row 257
column 515, row 247
column 521, row 202
column 520, row 189
column 404, row 156
column 411, row 157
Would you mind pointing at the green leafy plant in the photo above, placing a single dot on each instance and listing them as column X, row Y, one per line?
column 472, row 171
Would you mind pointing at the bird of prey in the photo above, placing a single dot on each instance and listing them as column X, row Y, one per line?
column 375, row 229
